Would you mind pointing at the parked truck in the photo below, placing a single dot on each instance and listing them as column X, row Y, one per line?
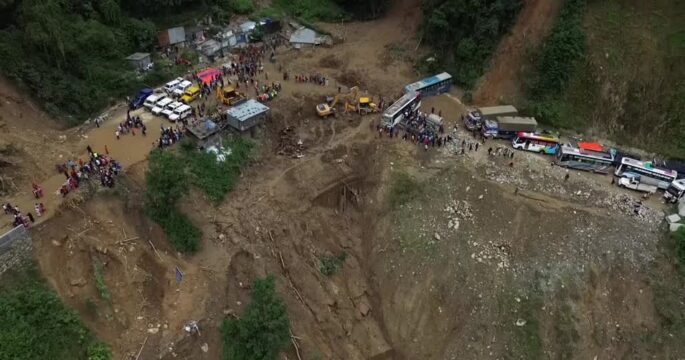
column 474, row 119
column 633, row 183
column 675, row 191
column 506, row 127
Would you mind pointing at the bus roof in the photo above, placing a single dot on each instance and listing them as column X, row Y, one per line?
column 541, row 137
column 566, row 149
column 496, row 110
column 401, row 103
column 597, row 147
column 428, row 82
column 647, row 166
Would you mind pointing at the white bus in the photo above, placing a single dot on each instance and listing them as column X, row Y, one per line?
column 408, row 103
column 586, row 157
column 434, row 85
column 647, row 173
column 539, row 143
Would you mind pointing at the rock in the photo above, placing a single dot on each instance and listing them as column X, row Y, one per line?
column 78, row 282
column 480, row 197
column 222, row 237
column 153, row 330
column 204, row 347
column 673, row 227
column 363, row 308
column 56, row 243
column 520, row 322
column 436, row 236
column 674, row 218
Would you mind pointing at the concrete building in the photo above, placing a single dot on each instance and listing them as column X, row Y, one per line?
column 308, row 37
column 247, row 115
column 140, row 61
column 172, row 36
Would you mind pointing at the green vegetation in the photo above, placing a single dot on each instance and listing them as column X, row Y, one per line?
column 242, row 6
column 216, row 178
column 464, row 34
column 169, row 177
column 309, row 11
column 679, row 239
column 34, row 324
column 166, row 182
column 615, row 66
column 263, row 329
column 403, row 189
column 525, row 341
column 100, row 284
column 561, row 53
column 330, row 265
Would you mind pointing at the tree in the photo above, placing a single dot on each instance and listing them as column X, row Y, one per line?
column 165, row 181
column 263, row 329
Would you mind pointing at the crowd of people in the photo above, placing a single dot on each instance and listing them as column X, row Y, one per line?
column 20, row 219
column 130, row 125
column 101, row 165
column 248, row 65
column 318, row 79
column 170, row 136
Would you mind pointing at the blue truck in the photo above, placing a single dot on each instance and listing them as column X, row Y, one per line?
column 139, row 99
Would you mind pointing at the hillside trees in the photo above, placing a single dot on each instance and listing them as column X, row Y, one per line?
column 464, row 33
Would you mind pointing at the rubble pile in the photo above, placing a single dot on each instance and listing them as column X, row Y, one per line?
column 627, row 205
column 290, row 144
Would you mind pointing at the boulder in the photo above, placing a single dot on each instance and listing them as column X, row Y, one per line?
column 674, row 218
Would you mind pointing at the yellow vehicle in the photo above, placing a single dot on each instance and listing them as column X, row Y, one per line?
column 327, row 109
column 190, row 95
column 324, row 110
column 365, row 106
column 229, row 96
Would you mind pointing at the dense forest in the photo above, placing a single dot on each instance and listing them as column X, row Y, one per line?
column 464, row 34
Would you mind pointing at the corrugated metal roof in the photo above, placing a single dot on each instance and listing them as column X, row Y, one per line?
column 247, row 110
column 177, row 35
column 303, row 36
column 138, row 56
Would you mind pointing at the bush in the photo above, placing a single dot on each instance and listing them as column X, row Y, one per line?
column 242, row 6
column 166, row 182
column 100, row 284
column 561, row 52
column 679, row 238
column 99, row 351
column 330, row 265
column 263, row 329
column 213, row 177
column 34, row 324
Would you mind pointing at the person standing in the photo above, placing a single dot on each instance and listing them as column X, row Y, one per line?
column 31, row 217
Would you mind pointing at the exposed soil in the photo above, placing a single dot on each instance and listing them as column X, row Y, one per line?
column 492, row 258
column 503, row 81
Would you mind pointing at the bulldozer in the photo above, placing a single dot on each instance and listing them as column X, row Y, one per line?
column 365, row 106
column 229, row 96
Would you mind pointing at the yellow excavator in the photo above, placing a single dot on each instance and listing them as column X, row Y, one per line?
column 229, row 96
column 327, row 109
column 352, row 103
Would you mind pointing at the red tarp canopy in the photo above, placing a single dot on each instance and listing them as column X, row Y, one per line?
column 590, row 146
column 207, row 75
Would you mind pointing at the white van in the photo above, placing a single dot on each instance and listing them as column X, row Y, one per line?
column 169, row 109
column 151, row 100
column 182, row 87
column 161, row 104
column 180, row 113
column 171, row 85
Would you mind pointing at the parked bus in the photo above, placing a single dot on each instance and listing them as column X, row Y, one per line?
column 586, row 157
column 408, row 103
column 540, row 143
column 647, row 173
column 434, row 85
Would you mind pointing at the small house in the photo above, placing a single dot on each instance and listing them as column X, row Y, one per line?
column 308, row 37
column 172, row 36
column 247, row 115
column 140, row 61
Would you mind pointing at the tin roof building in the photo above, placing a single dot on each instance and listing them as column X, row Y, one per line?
column 247, row 115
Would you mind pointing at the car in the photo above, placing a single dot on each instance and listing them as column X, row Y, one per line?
column 171, row 85
column 169, row 109
column 180, row 113
column 161, row 104
column 190, row 95
column 181, row 88
column 151, row 101
column 139, row 99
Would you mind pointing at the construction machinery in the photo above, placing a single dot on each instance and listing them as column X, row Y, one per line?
column 229, row 96
column 352, row 103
